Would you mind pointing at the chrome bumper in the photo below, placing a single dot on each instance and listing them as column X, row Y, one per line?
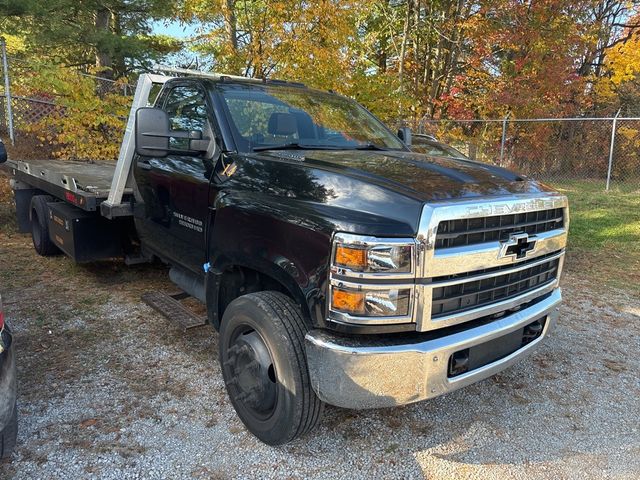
column 362, row 374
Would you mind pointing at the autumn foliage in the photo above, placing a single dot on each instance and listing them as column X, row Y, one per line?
column 405, row 60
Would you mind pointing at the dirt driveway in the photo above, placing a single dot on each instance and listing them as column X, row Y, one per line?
column 109, row 389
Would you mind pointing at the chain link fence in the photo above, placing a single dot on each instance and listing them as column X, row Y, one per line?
column 601, row 150
column 26, row 111
column 22, row 106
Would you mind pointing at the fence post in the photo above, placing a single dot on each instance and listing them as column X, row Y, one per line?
column 613, row 142
column 504, row 137
column 7, row 90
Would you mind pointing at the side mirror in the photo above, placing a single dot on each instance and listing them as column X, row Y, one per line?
column 404, row 134
column 3, row 152
column 153, row 133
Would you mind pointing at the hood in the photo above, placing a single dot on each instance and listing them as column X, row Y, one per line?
column 415, row 175
column 367, row 192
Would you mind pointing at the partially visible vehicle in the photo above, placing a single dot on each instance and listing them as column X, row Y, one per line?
column 8, row 409
column 8, row 391
column 427, row 144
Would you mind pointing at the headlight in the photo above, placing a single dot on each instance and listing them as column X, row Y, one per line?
column 371, row 303
column 372, row 279
column 368, row 255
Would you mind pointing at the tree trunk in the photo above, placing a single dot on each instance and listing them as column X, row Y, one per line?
column 405, row 39
column 118, row 59
column 103, row 55
column 383, row 45
column 231, row 28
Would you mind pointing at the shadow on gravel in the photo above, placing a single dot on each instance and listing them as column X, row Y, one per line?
column 110, row 389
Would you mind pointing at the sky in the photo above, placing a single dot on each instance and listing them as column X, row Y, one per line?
column 177, row 30
column 174, row 29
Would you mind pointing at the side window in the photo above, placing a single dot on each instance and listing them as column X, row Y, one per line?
column 187, row 110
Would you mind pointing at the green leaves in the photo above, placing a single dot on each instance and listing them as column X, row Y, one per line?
column 402, row 59
column 118, row 32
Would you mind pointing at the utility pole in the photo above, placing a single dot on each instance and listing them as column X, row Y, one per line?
column 611, row 147
column 7, row 89
column 504, row 137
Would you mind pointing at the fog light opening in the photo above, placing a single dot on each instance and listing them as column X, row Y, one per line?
column 532, row 331
column 459, row 363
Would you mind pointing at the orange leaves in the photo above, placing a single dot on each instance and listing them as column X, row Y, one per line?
column 302, row 40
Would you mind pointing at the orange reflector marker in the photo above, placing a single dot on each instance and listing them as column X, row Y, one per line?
column 345, row 301
column 351, row 257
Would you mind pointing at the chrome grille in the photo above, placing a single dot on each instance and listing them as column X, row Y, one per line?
column 463, row 273
column 460, row 297
column 473, row 231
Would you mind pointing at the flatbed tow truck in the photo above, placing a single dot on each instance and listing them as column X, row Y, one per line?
column 337, row 265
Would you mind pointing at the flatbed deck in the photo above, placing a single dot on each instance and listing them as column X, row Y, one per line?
column 85, row 184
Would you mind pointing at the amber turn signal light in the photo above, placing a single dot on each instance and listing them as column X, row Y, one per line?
column 346, row 301
column 351, row 257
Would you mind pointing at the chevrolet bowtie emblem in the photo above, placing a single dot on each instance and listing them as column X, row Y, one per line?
column 517, row 246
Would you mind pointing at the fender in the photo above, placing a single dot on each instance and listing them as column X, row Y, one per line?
column 290, row 248
column 214, row 276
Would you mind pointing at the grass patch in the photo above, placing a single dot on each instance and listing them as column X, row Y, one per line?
column 604, row 235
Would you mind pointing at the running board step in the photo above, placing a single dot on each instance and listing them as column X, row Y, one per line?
column 169, row 306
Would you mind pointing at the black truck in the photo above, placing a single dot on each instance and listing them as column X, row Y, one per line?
column 337, row 265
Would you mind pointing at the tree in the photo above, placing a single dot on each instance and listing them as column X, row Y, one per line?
column 618, row 86
column 113, row 36
column 307, row 40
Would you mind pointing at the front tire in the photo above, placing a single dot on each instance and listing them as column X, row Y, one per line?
column 265, row 368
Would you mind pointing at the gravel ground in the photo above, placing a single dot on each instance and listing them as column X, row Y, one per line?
column 109, row 389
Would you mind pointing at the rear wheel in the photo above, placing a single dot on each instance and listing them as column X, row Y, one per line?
column 40, row 226
column 265, row 369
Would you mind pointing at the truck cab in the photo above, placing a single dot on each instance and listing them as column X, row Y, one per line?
column 338, row 266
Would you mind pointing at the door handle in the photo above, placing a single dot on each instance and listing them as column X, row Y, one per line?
column 144, row 165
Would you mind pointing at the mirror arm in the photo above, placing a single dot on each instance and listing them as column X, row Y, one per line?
column 193, row 135
column 200, row 144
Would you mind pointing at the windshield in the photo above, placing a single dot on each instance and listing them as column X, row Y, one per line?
column 263, row 116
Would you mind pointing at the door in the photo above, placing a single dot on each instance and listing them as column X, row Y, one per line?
column 175, row 189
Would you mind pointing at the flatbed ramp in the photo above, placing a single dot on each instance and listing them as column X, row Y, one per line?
column 85, row 184
column 93, row 184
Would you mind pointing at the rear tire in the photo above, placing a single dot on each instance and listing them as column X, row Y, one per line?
column 263, row 362
column 38, row 214
column 9, row 435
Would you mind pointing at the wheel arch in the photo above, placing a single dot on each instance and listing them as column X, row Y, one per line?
column 228, row 280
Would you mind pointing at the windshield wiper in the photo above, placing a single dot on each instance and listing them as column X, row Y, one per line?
column 303, row 146
column 288, row 146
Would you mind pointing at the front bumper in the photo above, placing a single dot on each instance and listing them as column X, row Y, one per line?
column 8, row 381
column 371, row 373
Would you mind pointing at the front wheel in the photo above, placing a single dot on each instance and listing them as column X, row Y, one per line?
column 265, row 368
